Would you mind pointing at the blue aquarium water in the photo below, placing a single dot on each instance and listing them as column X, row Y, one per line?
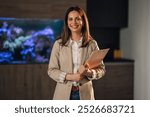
column 27, row 40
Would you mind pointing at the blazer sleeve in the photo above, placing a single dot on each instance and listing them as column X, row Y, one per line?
column 54, row 71
column 98, row 72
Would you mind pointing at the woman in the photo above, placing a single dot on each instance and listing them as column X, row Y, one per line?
column 68, row 57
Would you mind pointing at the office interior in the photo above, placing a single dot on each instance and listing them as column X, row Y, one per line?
column 121, row 25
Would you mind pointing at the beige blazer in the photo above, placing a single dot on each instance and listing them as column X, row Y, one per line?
column 61, row 61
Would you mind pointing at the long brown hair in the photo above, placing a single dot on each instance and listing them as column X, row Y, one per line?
column 66, row 33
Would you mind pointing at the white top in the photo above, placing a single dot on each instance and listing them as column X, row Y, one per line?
column 76, row 55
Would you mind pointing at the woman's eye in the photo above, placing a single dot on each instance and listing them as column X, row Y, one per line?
column 70, row 19
column 78, row 19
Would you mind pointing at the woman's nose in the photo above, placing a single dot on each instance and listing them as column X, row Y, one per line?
column 74, row 21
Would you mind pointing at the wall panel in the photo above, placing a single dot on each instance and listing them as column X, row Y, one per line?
column 37, row 8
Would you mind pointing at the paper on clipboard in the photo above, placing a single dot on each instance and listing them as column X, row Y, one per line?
column 96, row 57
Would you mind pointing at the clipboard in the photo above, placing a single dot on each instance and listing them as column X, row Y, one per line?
column 95, row 58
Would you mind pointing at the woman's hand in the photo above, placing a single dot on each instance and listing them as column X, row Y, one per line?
column 85, row 71
column 74, row 77
column 82, row 72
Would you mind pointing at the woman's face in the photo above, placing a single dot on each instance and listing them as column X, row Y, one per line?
column 75, row 22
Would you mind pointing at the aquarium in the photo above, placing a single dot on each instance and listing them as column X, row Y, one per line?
column 27, row 40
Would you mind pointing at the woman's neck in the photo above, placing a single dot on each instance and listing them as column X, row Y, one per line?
column 76, row 37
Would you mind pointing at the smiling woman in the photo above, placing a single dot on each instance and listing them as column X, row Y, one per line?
column 69, row 54
column 75, row 24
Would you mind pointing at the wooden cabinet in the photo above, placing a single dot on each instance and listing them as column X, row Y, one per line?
column 30, row 81
column 27, row 81
column 117, row 83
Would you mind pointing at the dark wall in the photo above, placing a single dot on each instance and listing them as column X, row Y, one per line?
column 106, row 18
column 108, row 13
